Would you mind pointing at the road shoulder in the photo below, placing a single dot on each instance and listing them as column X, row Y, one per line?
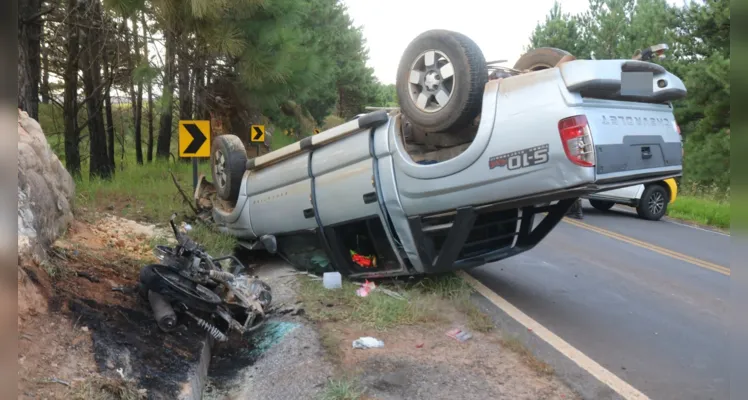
column 418, row 360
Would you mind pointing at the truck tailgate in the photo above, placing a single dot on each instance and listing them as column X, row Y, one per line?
column 633, row 140
column 627, row 107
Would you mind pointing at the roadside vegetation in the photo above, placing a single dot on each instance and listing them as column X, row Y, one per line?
column 381, row 312
column 341, row 389
column 701, row 210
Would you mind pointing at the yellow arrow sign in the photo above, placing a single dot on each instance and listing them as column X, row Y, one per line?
column 257, row 133
column 194, row 139
column 316, row 131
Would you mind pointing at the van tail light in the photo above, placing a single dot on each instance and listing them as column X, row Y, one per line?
column 577, row 140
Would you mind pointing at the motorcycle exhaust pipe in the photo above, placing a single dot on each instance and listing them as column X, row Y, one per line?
column 162, row 311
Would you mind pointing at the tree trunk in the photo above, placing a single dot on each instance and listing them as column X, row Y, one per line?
column 150, row 89
column 183, row 66
column 108, row 112
column 70, row 101
column 44, row 89
column 99, row 165
column 130, row 49
column 163, row 146
column 138, row 96
column 29, row 66
column 200, row 89
column 108, row 72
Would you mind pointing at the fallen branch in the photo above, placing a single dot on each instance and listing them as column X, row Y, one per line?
column 88, row 276
column 184, row 195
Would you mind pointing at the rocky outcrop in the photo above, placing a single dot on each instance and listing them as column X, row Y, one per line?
column 45, row 190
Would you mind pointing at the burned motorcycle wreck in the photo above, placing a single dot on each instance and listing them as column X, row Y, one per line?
column 188, row 281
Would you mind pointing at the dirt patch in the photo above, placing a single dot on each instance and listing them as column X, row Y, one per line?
column 418, row 360
column 74, row 327
column 415, row 357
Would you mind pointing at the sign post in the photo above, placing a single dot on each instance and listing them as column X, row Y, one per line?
column 194, row 142
column 257, row 136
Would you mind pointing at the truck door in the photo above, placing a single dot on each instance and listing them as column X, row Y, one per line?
column 347, row 206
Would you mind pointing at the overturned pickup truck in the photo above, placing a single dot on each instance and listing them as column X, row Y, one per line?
column 478, row 164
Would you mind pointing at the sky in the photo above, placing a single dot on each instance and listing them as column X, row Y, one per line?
column 500, row 27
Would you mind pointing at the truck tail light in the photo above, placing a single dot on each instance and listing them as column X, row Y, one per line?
column 577, row 140
column 677, row 129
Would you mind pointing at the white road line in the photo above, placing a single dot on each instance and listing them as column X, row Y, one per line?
column 626, row 391
column 696, row 227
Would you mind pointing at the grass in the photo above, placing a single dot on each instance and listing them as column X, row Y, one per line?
column 514, row 344
column 701, row 210
column 341, row 389
column 379, row 312
column 382, row 312
column 55, row 270
column 141, row 192
column 281, row 140
column 458, row 291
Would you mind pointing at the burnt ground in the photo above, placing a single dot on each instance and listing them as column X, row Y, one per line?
column 75, row 326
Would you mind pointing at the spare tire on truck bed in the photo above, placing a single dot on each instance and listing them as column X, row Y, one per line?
column 440, row 81
column 540, row 58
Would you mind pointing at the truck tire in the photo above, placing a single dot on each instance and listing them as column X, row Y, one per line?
column 440, row 81
column 540, row 58
column 653, row 203
column 228, row 161
column 602, row 205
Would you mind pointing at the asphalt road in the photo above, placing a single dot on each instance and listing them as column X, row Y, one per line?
column 646, row 300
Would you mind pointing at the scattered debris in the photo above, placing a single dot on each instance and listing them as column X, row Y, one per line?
column 419, row 346
column 332, row 280
column 459, row 335
column 363, row 261
column 291, row 310
column 391, row 293
column 190, row 281
column 365, row 289
column 367, row 342
column 61, row 382
column 378, row 288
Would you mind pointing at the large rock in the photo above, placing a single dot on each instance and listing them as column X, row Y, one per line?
column 45, row 191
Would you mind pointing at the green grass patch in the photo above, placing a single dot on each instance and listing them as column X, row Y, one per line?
column 381, row 312
column 701, row 210
column 341, row 389
column 281, row 140
column 332, row 121
column 217, row 244
column 378, row 310
column 458, row 291
column 141, row 192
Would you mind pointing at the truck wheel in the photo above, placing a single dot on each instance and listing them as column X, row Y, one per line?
column 540, row 58
column 602, row 205
column 653, row 203
column 228, row 161
column 440, row 81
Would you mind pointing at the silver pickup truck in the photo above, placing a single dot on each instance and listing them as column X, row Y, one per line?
column 474, row 167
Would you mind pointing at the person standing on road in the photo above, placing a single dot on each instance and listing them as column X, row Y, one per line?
column 575, row 211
